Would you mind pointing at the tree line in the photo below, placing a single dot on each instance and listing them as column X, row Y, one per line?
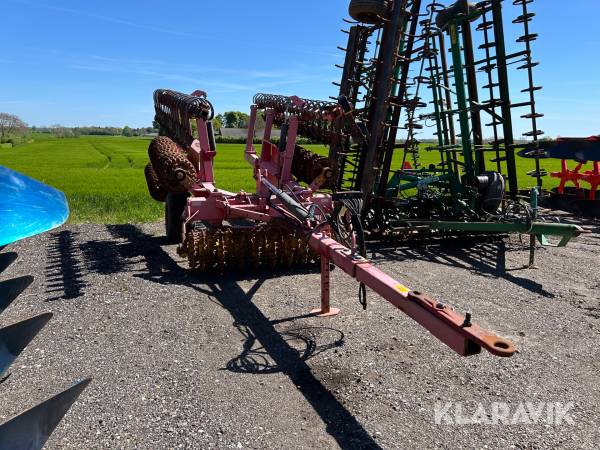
column 236, row 119
column 14, row 130
column 62, row 131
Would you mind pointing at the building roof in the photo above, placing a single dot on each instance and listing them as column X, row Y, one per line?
column 243, row 133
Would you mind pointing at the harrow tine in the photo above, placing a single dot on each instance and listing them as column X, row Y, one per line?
column 14, row 339
column 31, row 429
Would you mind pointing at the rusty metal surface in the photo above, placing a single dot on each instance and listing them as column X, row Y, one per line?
column 175, row 110
column 305, row 109
column 237, row 249
column 493, row 343
column 174, row 172
column 153, row 183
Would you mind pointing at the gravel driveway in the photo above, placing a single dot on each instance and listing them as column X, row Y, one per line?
column 183, row 361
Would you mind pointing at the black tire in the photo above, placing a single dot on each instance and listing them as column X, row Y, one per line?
column 368, row 11
column 174, row 207
column 493, row 193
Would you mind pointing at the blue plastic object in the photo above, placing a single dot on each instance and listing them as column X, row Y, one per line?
column 28, row 207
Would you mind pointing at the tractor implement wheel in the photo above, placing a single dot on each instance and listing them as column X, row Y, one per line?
column 368, row 11
column 492, row 190
column 154, row 188
column 174, row 207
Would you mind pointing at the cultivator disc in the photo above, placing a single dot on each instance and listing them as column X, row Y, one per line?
column 238, row 248
column 174, row 172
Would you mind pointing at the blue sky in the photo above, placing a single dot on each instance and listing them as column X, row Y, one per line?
column 98, row 62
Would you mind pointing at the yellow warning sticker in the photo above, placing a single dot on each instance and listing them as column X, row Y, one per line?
column 402, row 289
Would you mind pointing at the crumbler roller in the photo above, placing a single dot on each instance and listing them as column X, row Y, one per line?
column 237, row 248
column 171, row 167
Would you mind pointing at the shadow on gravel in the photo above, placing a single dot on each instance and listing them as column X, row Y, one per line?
column 481, row 256
column 6, row 259
column 307, row 342
column 340, row 423
column 64, row 275
column 11, row 289
column 278, row 351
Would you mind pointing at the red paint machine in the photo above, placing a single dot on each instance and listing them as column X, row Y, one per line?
column 286, row 222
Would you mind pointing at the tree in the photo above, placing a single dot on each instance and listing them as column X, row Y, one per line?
column 231, row 119
column 60, row 131
column 10, row 124
column 218, row 122
column 127, row 132
column 235, row 119
column 243, row 120
column 260, row 122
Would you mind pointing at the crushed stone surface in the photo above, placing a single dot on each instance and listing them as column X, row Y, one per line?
column 180, row 360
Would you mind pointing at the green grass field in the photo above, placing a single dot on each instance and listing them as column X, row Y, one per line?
column 104, row 181
column 103, row 177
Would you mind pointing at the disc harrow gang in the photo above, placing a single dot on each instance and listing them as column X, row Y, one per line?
column 242, row 248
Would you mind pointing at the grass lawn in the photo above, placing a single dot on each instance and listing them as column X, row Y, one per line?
column 104, row 181
column 103, row 177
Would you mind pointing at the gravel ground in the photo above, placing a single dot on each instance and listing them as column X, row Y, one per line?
column 181, row 361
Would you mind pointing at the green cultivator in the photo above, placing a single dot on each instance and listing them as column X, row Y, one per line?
column 424, row 66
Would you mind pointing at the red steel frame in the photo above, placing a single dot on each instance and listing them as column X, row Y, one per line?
column 273, row 168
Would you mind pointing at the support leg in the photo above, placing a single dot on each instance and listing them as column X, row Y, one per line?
column 325, row 310
column 532, row 243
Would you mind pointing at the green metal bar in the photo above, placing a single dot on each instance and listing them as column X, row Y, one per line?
column 436, row 104
column 507, row 126
column 461, row 96
column 442, row 127
column 422, row 182
column 414, row 180
column 534, row 228
column 473, row 95
column 534, row 208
